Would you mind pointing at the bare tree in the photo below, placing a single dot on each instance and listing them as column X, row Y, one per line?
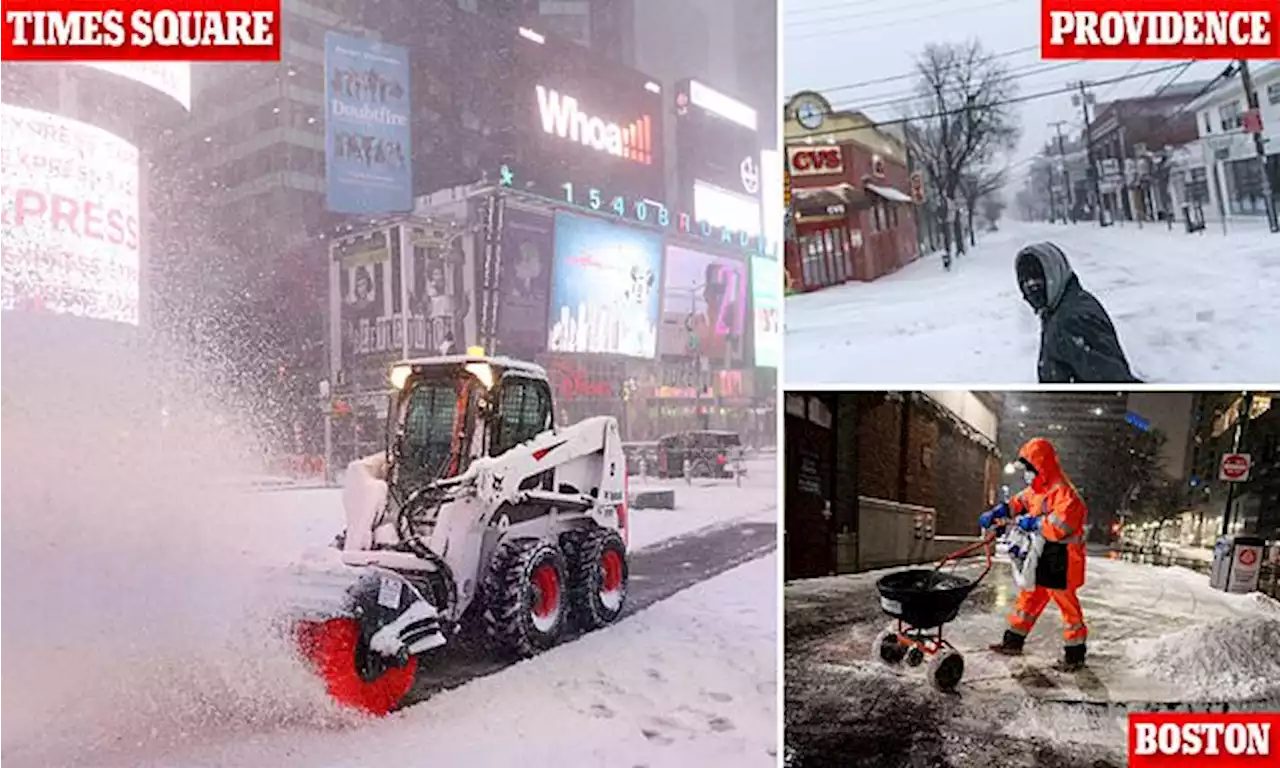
column 977, row 184
column 962, row 119
column 993, row 206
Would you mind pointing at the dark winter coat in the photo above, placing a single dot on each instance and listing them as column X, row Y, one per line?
column 1078, row 343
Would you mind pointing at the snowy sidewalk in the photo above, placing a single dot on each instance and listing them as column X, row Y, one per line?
column 1188, row 308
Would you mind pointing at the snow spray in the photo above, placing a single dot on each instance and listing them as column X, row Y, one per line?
column 135, row 617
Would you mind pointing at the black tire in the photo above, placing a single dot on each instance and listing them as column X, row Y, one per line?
column 598, row 571
column 945, row 670
column 914, row 656
column 521, row 616
column 887, row 648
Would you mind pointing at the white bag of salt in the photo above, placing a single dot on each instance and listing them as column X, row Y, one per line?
column 1024, row 555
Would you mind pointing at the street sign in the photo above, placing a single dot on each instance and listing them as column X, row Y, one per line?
column 1235, row 467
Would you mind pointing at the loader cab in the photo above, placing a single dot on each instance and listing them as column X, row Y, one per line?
column 448, row 411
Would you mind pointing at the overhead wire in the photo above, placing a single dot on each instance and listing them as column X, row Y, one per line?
column 913, row 73
column 950, row 11
column 1001, row 103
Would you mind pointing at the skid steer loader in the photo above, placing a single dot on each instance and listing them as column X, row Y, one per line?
column 482, row 519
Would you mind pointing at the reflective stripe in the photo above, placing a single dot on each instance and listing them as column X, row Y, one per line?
column 1025, row 615
column 1070, row 643
column 1072, row 627
column 1054, row 519
column 1017, row 630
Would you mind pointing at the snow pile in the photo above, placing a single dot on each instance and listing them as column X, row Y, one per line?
column 1229, row 659
column 130, row 578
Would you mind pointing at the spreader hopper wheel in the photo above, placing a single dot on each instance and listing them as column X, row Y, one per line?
column 945, row 670
column 888, row 648
column 915, row 657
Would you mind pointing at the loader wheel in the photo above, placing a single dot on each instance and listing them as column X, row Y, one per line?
column 526, row 589
column 340, row 657
column 597, row 563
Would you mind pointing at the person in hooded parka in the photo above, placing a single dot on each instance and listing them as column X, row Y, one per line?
column 1078, row 343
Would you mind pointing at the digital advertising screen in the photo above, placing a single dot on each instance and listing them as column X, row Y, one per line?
column 704, row 305
column 367, row 126
column 718, row 142
column 605, row 287
column 766, row 300
column 524, row 284
column 584, row 120
column 71, row 239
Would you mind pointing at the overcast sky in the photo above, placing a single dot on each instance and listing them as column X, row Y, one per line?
column 829, row 43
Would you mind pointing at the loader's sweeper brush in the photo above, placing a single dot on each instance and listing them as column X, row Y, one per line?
column 352, row 675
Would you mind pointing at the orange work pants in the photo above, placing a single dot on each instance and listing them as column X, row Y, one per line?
column 1031, row 603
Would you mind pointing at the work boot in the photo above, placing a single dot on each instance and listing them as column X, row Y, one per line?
column 1010, row 645
column 1072, row 659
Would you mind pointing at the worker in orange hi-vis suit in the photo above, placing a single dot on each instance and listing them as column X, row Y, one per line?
column 1051, row 506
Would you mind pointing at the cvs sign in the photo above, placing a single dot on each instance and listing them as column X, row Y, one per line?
column 815, row 161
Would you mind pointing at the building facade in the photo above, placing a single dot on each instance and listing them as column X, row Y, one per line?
column 871, row 477
column 852, row 218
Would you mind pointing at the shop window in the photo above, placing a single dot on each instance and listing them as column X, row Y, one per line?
column 893, row 213
column 1273, row 93
column 525, row 412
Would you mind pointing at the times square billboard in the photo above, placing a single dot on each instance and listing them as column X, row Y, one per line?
column 718, row 143
column 586, row 130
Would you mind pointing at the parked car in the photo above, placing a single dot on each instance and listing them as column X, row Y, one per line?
column 637, row 453
column 709, row 453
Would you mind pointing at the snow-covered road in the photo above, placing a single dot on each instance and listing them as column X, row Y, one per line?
column 1188, row 309
column 1157, row 636
column 155, row 654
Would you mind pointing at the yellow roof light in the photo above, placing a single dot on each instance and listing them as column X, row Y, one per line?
column 475, row 351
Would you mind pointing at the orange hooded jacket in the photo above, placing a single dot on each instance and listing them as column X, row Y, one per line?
column 1053, row 498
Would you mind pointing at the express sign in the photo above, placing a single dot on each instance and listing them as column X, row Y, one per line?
column 814, row 161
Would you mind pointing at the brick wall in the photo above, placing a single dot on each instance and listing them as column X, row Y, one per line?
column 937, row 467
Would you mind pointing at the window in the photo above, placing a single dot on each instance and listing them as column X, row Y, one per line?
column 1208, row 122
column 524, row 411
column 1231, row 117
column 427, row 446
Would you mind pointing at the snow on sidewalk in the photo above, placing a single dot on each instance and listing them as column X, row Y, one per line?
column 690, row 681
column 1188, row 309
column 706, row 503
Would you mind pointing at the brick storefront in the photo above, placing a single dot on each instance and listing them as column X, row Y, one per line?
column 896, row 447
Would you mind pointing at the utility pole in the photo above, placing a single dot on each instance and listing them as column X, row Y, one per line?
column 1251, row 99
column 1066, row 175
column 1088, row 143
column 1053, row 200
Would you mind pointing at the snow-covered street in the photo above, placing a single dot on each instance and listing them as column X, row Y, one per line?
column 1188, row 309
column 160, row 657
column 1158, row 637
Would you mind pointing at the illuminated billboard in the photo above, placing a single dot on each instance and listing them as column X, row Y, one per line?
column 584, row 120
column 172, row 78
column 704, row 305
column 718, row 142
column 70, row 240
column 604, row 288
column 766, row 300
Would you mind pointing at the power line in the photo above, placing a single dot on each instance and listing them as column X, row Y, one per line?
column 915, row 73
column 832, row 6
column 1004, row 103
column 893, row 8
column 912, row 95
column 898, row 22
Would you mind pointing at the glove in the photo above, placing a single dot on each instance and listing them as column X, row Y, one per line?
column 989, row 518
column 1029, row 523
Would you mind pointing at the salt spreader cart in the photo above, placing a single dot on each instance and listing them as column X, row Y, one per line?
column 923, row 600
